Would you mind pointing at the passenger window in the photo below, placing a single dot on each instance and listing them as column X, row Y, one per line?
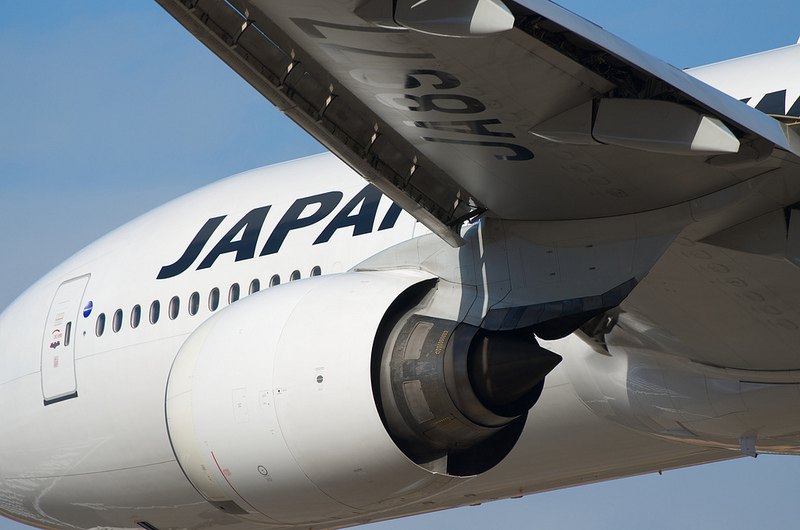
column 295, row 276
column 174, row 307
column 194, row 303
column 155, row 311
column 275, row 280
column 116, row 324
column 255, row 286
column 67, row 334
column 213, row 299
column 136, row 316
column 233, row 293
column 100, row 325
column 316, row 271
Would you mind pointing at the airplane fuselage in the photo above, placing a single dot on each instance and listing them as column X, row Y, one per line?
column 84, row 438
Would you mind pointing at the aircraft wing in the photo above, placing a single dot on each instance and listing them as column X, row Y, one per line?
column 551, row 119
column 548, row 118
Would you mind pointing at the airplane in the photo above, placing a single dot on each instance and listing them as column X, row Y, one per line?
column 65, row 402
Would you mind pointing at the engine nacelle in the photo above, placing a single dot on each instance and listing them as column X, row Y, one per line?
column 335, row 396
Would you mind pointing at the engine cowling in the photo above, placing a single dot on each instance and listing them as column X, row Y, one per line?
column 316, row 400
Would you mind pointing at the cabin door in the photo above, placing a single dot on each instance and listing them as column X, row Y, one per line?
column 58, row 343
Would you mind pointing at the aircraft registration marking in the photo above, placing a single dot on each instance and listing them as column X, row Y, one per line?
column 441, row 98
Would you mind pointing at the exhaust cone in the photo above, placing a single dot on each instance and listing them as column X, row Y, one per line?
column 507, row 371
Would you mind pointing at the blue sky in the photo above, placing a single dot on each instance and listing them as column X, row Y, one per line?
column 110, row 109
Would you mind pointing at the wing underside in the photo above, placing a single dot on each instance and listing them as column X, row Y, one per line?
column 551, row 120
column 444, row 125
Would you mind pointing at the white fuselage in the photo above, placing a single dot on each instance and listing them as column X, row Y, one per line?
column 102, row 455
